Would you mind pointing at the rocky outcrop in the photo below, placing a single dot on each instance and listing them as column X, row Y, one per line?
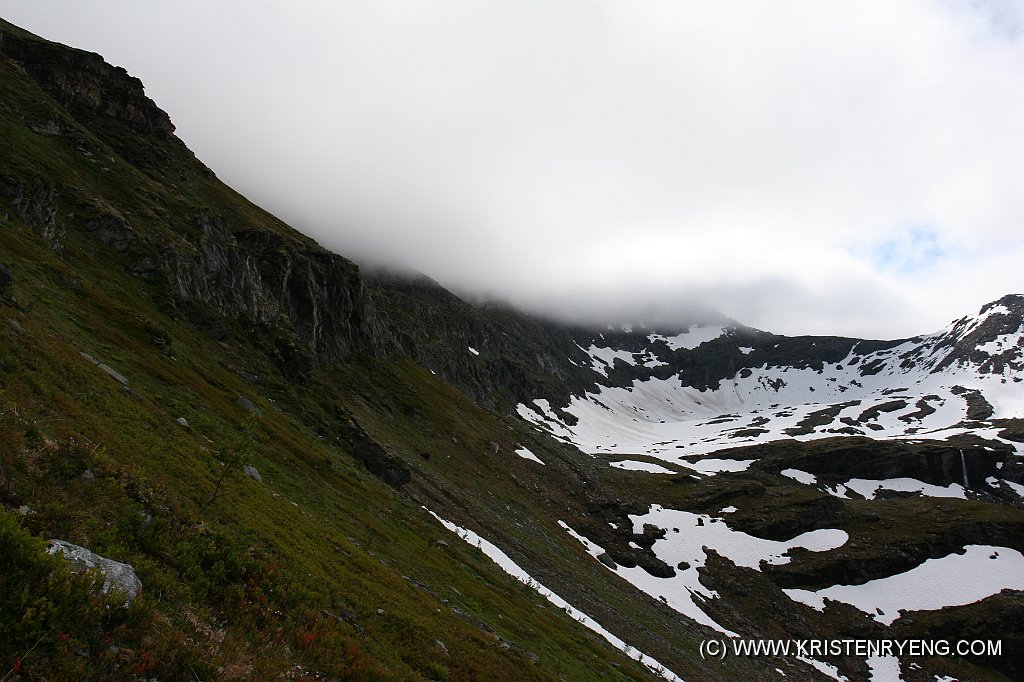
column 117, row 577
column 836, row 460
column 108, row 227
column 35, row 202
column 309, row 298
column 84, row 84
column 102, row 98
column 252, row 472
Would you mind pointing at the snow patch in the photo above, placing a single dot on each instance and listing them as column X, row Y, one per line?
column 712, row 466
column 800, row 476
column 665, row 418
column 525, row 453
column 602, row 359
column 935, row 584
column 884, row 669
column 633, row 465
column 691, row 338
column 869, row 488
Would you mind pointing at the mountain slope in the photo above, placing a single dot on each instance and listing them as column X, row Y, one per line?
column 190, row 386
column 119, row 245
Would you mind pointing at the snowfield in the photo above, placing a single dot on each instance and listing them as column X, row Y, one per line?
column 919, row 388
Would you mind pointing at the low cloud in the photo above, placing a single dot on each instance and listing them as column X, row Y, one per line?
column 803, row 167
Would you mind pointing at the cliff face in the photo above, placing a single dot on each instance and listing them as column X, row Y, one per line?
column 210, row 260
column 259, row 277
column 85, row 85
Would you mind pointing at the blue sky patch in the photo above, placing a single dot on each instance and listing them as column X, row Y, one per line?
column 912, row 251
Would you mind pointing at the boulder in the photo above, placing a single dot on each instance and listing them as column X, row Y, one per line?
column 122, row 379
column 252, row 473
column 116, row 576
column 249, row 406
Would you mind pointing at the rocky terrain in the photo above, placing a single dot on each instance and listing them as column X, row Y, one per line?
column 320, row 473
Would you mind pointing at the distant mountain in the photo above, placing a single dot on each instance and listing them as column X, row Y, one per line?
column 320, row 473
column 674, row 396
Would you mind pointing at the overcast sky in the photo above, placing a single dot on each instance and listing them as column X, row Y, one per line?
column 803, row 166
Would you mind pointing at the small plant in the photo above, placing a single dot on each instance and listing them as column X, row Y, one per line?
column 234, row 457
column 438, row 671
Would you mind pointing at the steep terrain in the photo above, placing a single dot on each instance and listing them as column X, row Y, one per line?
column 287, row 451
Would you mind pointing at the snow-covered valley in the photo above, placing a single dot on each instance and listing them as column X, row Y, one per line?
column 925, row 387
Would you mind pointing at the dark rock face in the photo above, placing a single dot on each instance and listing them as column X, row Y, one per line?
column 840, row 459
column 110, row 229
column 6, row 278
column 35, row 202
column 977, row 407
column 253, row 275
column 86, row 86
column 102, row 98
column 611, row 528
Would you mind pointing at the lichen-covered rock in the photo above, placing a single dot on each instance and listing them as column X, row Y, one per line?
column 117, row 576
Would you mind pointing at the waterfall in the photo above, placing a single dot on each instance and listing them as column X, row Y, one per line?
column 963, row 465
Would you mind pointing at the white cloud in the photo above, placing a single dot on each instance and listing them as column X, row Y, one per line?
column 761, row 158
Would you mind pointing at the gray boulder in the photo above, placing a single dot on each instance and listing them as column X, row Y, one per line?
column 114, row 373
column 252, row 473
column 249, row 406
column 116, row 576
